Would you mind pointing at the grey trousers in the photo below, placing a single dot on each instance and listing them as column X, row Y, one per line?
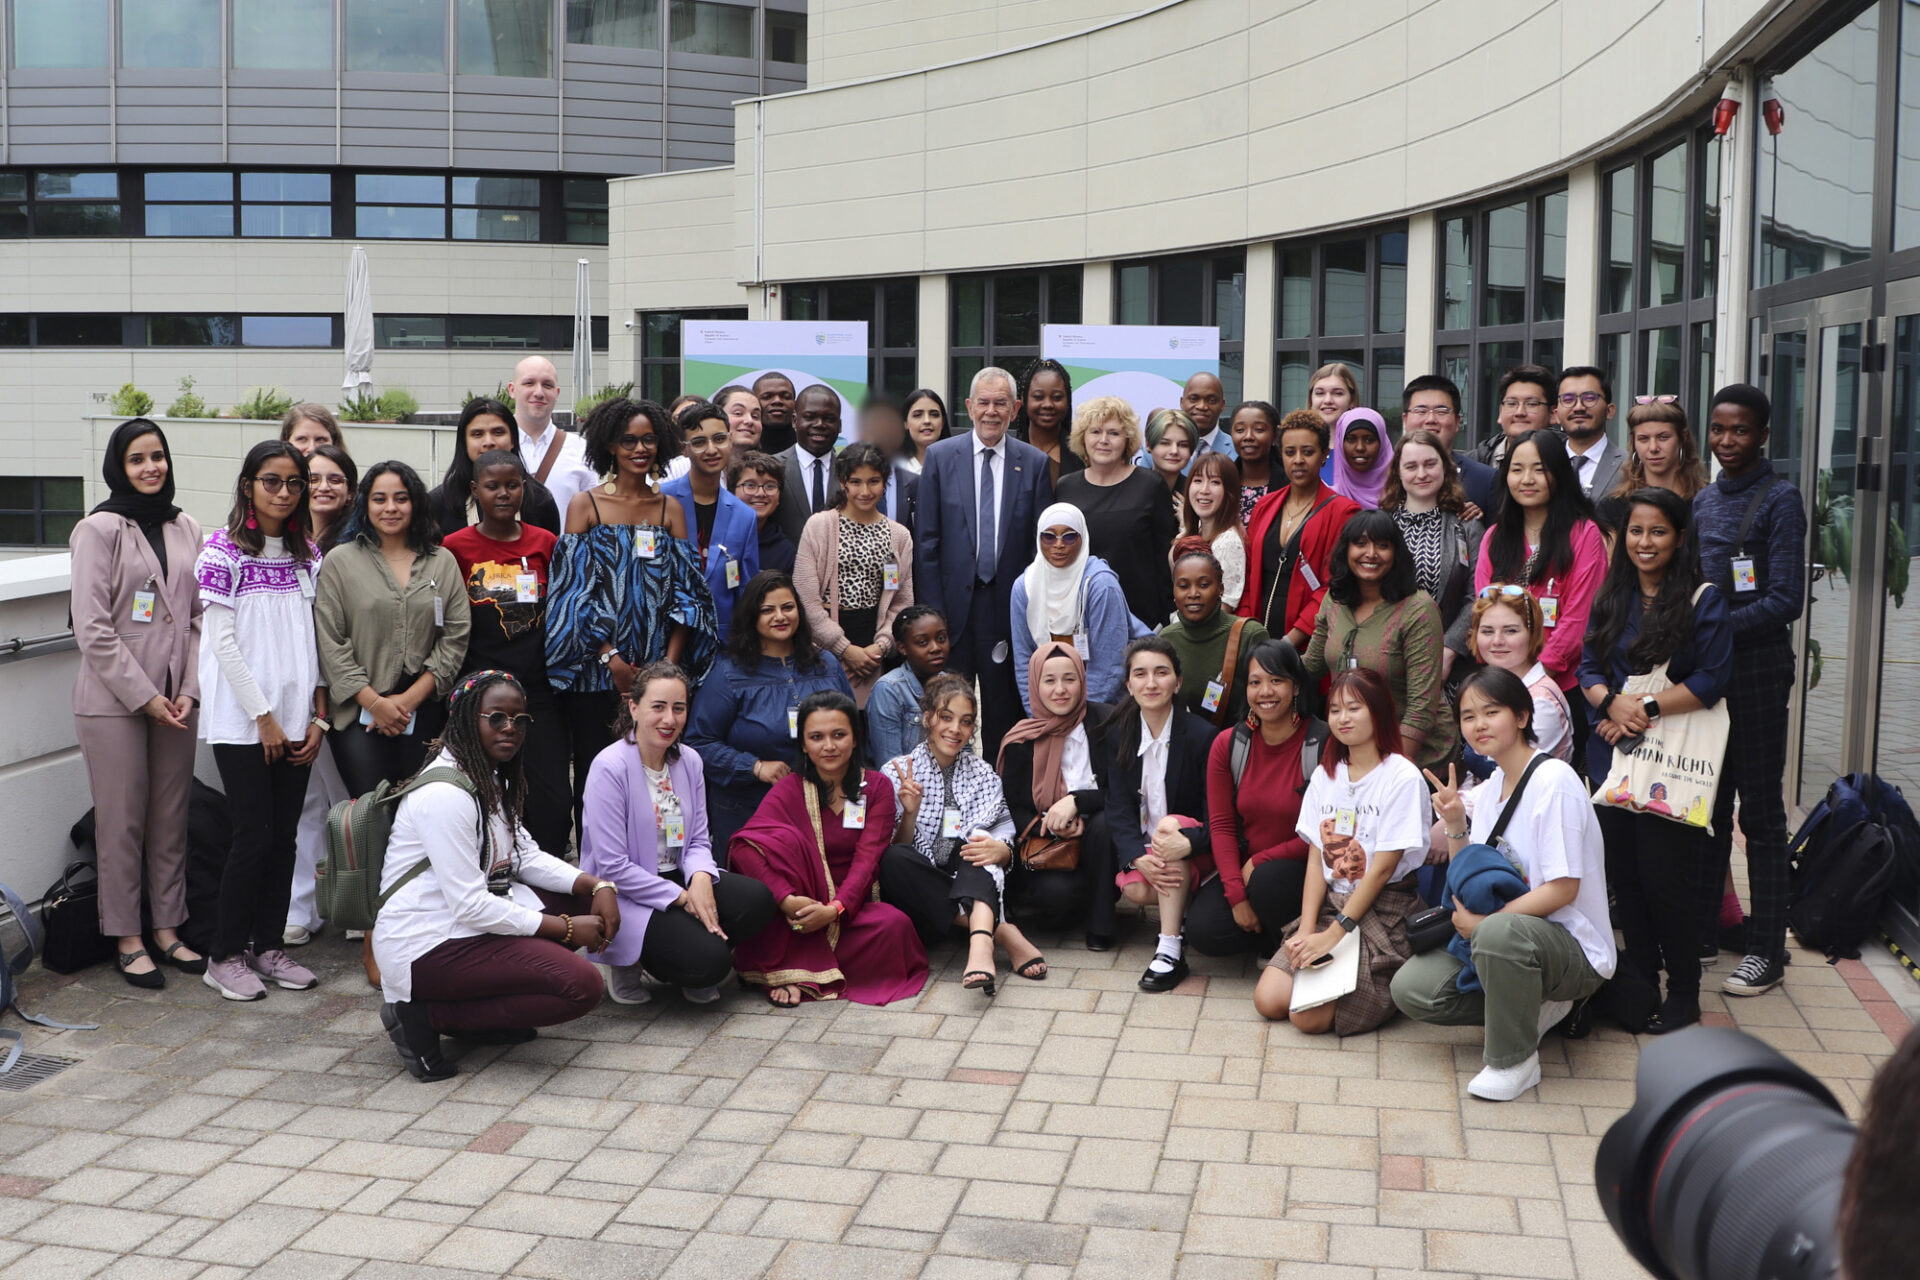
column 141, row 774
column 1523, row 961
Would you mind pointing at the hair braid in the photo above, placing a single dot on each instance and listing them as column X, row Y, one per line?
column 501, row 789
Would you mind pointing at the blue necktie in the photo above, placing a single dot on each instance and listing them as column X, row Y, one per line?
column 985, row 557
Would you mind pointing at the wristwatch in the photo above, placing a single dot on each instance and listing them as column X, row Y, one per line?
column 1651, row 705
column 1345, row 922
column 322, row 723
column 607, row 656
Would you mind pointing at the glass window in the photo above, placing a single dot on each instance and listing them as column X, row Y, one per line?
column 286, row 331
column 787, row 38
column 16, row 331
column 505, row 37
column 61, row 33
column 67, row 185
column 192, row 331
column 1616, row 288
column 1345, row 307
column 76, row 204
column 283, row 35
column 901, row 302
column 1230, row 296
column 286, row 204
column 1814, row 181
column 397, row 35
column 39, row 511
column 410, row 331
column 1663, row 362
column 309, row 187
column 521, row 192
column 496, row 209
column 1456, row 274
column 400, row 206
column 515, row 333
column 1506, row 297
column 586, row 210
column 1390, row 304
column 1296, row 291
column 1136, row 294
column 170, row 33
column 1551, row 297
column 72, row 330
column 189, row 186
column 1016, row 311
column 1183, row 292
column 1296, row 368
column 13, row 205
column 970, row 312
column 620, row 24
column 1706, row 264
column 189, row 219
column 723, row 30
column 1667, row 226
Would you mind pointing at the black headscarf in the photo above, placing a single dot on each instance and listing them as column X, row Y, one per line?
column 151, row 511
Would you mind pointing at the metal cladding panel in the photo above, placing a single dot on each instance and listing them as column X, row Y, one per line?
column 384, row 123
column 60, row 124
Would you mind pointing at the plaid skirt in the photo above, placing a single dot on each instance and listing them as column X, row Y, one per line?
column 1383, row 949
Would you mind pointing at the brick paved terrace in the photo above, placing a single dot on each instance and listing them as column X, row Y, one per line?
column 1072, row 1128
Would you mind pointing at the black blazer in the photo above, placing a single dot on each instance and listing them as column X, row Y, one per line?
column 1190, row 741
column 795, row 498
column 1016, row 772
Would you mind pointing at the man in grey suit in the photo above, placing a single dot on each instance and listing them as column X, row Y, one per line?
column 1584, row 408
column 978, row 510
column 810, row 485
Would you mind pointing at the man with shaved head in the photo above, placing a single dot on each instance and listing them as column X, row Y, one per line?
column 557, row 459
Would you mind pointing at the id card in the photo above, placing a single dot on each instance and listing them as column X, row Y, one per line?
column 890, row 577
column 1080, row 645
column 676, row 832
column 1549, row 610
column 793, row 722
column 526, row 588
column 1210, row 702
column 1313, row 579
column 305, row 576
column 143, row 606
column 854, row 816
column 1344, row 822
column 733, row 574
column 950, row 825
column 646, row 542
column 439, row 611
column 1744, row 578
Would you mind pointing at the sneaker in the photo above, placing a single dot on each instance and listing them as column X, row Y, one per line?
column 1164, row 973
column 277, row 967
column 700, row 995
column 296, row 935
column 1754, row 976
column 233, row 979
column 354, row 935
column 1504, row 1084
column 1552, row 1014
column 626, row 986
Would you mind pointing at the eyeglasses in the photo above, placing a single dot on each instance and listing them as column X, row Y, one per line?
column 1587, row 398
column 1507, row 589
column 1430, row 411
column 1048, row 538
column 498, row 721
column 628, row 443
column 1656, row 399
column 1530, row 406
column 274, row 484
column 757, row 486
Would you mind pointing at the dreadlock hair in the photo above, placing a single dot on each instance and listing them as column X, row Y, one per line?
column 623, row 721
column 500, row 789
column 1021, row 429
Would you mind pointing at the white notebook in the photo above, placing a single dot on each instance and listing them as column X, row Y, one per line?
column 1327, row 983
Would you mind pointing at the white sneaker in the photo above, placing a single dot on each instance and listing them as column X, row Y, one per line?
column 1551, row 1012
column 1504, row 1084
column 296, row 936
column 626, row 986
column 354, row 935
column 700, row 995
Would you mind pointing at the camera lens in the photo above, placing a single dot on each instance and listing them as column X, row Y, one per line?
column 1730, row 1164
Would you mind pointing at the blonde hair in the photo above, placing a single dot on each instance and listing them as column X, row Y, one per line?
column 1161, row 420
column 1335, row 369
column 1099, row 410
column 1528, row 611
column 1689, row 477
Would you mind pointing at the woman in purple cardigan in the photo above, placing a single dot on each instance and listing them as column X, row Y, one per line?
column 645, row 829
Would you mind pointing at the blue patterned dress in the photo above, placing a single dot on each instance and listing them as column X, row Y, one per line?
column 601, row 588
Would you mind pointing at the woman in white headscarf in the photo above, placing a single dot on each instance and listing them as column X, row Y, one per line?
column 1070, row 595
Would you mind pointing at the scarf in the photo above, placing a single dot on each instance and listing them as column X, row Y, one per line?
column 1045, row 730
column 1364, row 487
column 148, row 510
column 1053, row 595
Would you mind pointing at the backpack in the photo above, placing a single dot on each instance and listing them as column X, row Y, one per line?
column 19, row 944
column 347, row 881
column 1857, row 849
column 1310, row 748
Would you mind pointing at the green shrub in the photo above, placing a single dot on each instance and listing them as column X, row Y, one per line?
column 503, row 393
column 362, row 406
column 189, row 405
column 131, row 402
column 264, row 403
column 397, row 404
column 584, row 405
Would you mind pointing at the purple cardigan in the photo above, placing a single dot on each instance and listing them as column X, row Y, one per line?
column 617, row 838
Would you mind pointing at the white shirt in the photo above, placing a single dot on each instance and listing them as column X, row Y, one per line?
column 257, row 653
column 1153, row 774
column 999, row 452
column 1550, row 715
column 1388, row 811
column 1076, row 761
column 570, row 472
column 1586, row 464
column 1554, row 835
column 810, row 466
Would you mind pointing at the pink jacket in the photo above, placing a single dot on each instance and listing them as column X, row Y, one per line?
column 1574, row 593
column 124, row 663
column 816, row 580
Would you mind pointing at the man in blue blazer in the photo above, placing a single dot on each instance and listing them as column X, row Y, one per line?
column 965, row 565
column 733, row 548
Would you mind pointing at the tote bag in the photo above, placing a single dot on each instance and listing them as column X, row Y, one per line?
column 1673, row 770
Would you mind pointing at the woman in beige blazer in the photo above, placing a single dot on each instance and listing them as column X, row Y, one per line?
column 853, row 571
column 136, row 620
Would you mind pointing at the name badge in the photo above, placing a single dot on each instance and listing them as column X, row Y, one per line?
column 1344, row 822
column 439, row 611
column 1549, row 610
column 1744, row 579
column 950, row 824
column 793, row 721
column 305, row 577
column 646, row 542
column 890, row 577
column 854, row 816
column 1080, row 645
column 733, row 574
column 1313, row 580
column 526, row 588
column 1211, row 701
column 676, row 831
column 143, row 606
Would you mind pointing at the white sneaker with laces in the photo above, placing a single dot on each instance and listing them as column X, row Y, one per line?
column 1504, row 1084
column 625, row 985
column 1551, row 1012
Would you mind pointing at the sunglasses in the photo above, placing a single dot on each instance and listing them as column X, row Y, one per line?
column 274, row 484
column 1506, row 589
column 1051, row 539
column 500, row 721
column 628, row 443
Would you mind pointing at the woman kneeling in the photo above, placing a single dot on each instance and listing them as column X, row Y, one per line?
column 1548, row 947
column 1365, row 815
column 476, row 938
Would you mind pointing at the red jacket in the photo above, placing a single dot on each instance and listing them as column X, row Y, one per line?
column 1316, row 550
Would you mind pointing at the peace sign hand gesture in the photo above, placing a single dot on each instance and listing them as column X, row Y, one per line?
column 1446, row 798
column 910, row 793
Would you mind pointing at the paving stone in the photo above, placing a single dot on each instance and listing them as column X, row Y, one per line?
column 545, row 1214
column 803, row 1220
column 808, row 1261
column 596, row 1260
column 253, row 1235
column 116, row 1230
column 357, row 1235
column 1013, row 1241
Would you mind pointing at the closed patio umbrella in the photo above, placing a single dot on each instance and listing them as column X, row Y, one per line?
column 359, row 329
column 582, row 333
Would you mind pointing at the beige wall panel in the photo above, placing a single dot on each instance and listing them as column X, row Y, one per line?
column 854, row 39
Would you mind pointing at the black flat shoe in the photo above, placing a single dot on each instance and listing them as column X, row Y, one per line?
column 171, row 954
column 500, row 1035
column 1155, row 980
column 1676, row 1014
column 151, row 980
column 1099, row 942
column 417, row 1041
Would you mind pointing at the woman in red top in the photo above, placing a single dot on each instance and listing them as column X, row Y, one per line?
column 1291, row 533
column 1257, row 891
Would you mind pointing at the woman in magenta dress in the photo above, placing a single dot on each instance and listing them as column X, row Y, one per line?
column 816, row 842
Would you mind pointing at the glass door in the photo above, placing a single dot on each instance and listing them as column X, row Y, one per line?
column 1892, row 493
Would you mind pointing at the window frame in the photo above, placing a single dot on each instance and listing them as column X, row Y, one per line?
column 1321, row 347
column 39, row 512
column 646, row 367
column 1233, row 351
column 1015, row 357
column 879, row 354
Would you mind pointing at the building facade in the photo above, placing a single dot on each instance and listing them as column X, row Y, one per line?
column 1454, row 187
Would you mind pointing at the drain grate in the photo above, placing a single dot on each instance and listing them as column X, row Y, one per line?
column 30, row 1070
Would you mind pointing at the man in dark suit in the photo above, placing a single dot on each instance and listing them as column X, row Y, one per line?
column 1585, row 409
column 979, row 503
column 1432, row 403
column 811, row 486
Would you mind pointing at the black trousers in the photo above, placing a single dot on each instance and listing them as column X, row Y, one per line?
column 972, row 656
column 1658, row 870
column 930, row 896
column 1755, row 769
column 264, row 801
column 588, row 720
column 1062, row 897
column 545, row 759
column 679, row 951
column 1273, row 890
column 366, row 759
column 1580, row 718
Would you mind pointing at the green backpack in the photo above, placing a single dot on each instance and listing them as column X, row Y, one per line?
column 347, row 881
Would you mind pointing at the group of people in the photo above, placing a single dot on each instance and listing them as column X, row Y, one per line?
column 1259, row 678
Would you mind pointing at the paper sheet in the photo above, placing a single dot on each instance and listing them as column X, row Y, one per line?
column 1336, row 978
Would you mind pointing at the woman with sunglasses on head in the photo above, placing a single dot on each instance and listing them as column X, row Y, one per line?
column 1365, row 816
column 1426, row 499
column 1505, row 630
column 486, row 426
column 854, row 570
column 264, row 710
column 1212, row 511
column 1655, row 607
column 1661, row 452
column 1069, row 594
column 1291, row 533
column 477, row 938
column 927, row 421
column 627, row 584
column 645, row 831
column 136, row 622
column 392, row 620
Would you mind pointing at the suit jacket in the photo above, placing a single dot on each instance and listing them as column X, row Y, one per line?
column 903, row 492
column 124, row 663
column 1480, row 481
column 796, row 493
column 1190, row 741
column 1606, row 472
column 947, row 510
column 736, row 536
column 619, row 838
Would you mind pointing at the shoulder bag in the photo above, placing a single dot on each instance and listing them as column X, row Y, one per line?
column 1431, row 929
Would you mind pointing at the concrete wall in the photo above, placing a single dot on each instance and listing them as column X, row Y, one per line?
column 43, row 784
column 859, row 39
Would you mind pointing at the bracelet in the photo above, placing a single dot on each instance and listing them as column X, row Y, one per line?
column 567, row 938
column 604, row 884
column 1458, row 835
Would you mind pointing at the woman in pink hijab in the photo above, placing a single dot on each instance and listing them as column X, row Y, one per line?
column 1362, row 457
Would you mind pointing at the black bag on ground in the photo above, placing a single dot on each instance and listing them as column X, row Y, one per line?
column 209, row 841
column 70, row 916
column 1857, row 849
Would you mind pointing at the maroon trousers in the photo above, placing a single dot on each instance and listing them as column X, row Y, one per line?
column 496, row 983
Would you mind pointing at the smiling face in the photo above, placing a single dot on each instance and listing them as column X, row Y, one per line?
column 1657, row 445
column 1059, row 690
column 1196, row 589
column 709, row 446
column 1370, row 561
column 1583, row 422
column 1651, row 538
column 308, row 435
column 926, row 647
column 1060, row 545
column 1205, row 492
column 1252, row 435
column 1349, row 718
column 498, row 490
column 1435, row 411
column 1361, row 446
column 536, row 389
column 864, row 489
column 1421, row 471
column 659, row 712
column 486, row 433
column 502, row 744
column 779, row 615
column 827, row 738
column 925, row 423
column 743, row 420
column 758, row 490
column 1502, row 640
column 816, row 419
column 1527, row 478
column 389, row 505
column 283, row 474
column 776, row 400
column 1171, row 454
column 1204, row 400
column 1525, row 407
column 1301, row 456
column 1151, row 680
column 145, row 463
column 949, row 727
column 1105, row 443
column 1330, row 398
column 1047, row 403
column 635, row 448
column 1490, row 727
column 328, row 491
column 1272, row 697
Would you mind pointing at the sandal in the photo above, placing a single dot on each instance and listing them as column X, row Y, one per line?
column 197, row 965
column 1026, row 970
column 985, row 986
column 784, row 1004
column 151, row 980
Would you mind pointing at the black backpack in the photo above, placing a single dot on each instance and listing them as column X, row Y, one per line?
column 1856, row 851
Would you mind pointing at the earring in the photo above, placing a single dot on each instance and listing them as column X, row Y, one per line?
column 251, row 522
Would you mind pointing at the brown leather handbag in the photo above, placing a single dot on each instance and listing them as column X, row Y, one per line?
column 1039, row 851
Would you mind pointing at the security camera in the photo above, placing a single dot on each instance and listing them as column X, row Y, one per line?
column 629, row 324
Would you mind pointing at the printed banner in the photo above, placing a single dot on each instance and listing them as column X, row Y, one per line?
column 719, row 353
column 1145, row 365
